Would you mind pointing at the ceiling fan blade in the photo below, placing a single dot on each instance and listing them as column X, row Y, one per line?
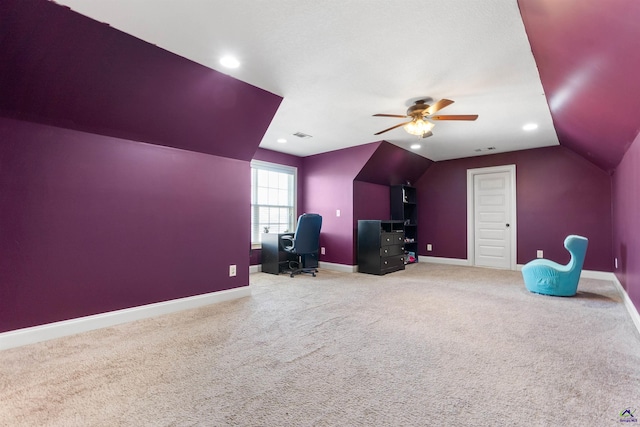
column 392, row 127
column 389, row 115
column 455, row 117
column 427, row 134
column 437, row 106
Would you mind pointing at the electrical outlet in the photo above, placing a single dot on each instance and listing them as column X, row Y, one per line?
column 615, row 260
column 322, row 251
column 232, row 270
column 539, row 254
column 337, row 212
column 429, row 247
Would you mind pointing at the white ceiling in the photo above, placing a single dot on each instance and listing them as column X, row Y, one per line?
column 338, row 62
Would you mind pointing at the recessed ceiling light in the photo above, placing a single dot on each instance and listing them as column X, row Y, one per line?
column 415, row 146
column 229, row 62
column 530, row 126
column 281, row 140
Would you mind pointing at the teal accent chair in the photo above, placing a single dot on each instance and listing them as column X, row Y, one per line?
column 550, row 278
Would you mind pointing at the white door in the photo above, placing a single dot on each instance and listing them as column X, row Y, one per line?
column 493, row 218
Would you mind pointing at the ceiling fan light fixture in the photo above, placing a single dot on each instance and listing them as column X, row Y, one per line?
column 419, row 113
column 418, row 127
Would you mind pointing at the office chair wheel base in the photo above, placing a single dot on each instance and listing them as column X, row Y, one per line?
column 313, row 274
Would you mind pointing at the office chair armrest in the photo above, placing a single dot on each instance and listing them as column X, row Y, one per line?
column 290, row 240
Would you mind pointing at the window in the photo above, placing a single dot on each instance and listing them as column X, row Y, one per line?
column 273, row 198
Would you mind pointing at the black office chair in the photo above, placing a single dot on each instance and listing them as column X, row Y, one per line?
column 304, row 243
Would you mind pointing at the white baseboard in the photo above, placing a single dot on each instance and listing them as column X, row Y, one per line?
column 449, row 261
column 600, row 275
column 49, row 331
column 344, row 268
column 64, row 328
column 631, row 308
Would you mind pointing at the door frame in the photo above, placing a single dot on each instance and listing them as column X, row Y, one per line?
column 471, row 174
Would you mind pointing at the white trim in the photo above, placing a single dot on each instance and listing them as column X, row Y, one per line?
column 255, row 268
column 276, row 167
column 64, row 328
column 471, row 173
column 600, row 275
column 450, row 261
column 338, row 267
column 631, row 308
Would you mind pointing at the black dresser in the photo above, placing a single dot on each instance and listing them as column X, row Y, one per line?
column 380, row 246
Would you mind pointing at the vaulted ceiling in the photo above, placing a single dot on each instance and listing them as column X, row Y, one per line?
column 63, row 69
column 568, row 66
column 588, row 55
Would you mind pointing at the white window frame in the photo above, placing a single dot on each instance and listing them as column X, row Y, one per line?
column 274, row 167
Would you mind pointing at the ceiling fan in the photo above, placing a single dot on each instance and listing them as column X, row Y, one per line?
column 419, row 112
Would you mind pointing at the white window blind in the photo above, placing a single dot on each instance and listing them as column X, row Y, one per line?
column 273, row 198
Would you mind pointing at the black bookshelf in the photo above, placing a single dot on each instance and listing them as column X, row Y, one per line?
column 404, row 208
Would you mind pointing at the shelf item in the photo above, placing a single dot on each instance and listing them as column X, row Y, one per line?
column 380, row 246
column 404, row 208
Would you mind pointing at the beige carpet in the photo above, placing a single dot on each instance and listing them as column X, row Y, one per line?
column 433, row 345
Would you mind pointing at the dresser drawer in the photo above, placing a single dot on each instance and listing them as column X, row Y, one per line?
column 392, row 250
column 392, row 263
column 387, row 239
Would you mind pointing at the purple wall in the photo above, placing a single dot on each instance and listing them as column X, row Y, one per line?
column 61, row 68
column 355, row 180
column 558, row 193
column 370, row 201
column 391, row 165
column 328, row 186
column 92, row 223
column 626, row 230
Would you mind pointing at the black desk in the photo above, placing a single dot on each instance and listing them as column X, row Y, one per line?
column 275, row 259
